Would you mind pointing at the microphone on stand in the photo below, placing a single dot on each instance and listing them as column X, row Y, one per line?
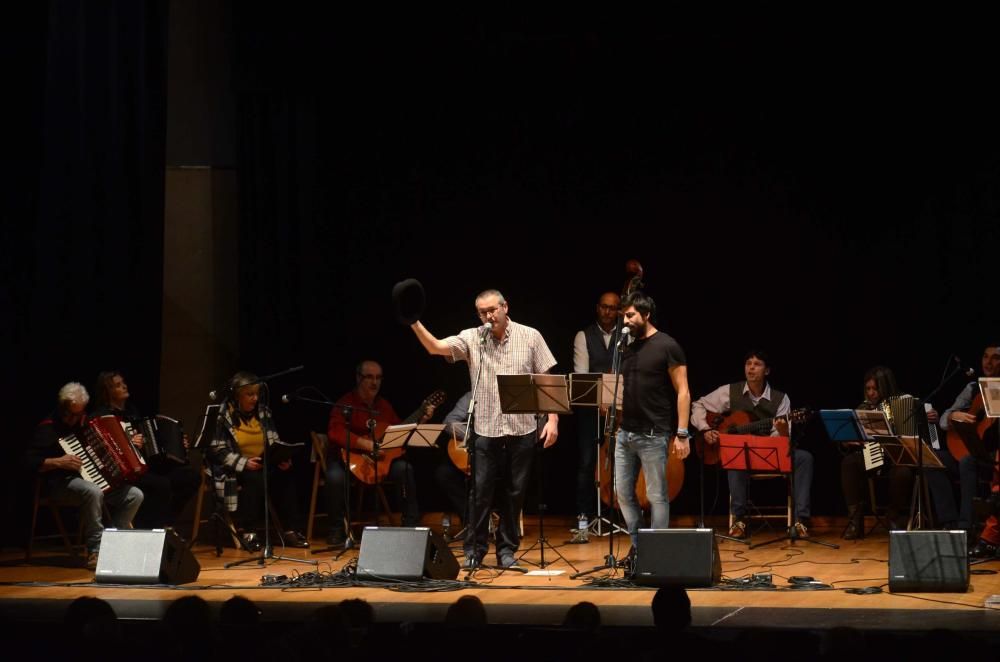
column 286, row 398
column 623, row 339
column 968, row 372
column 484, row 331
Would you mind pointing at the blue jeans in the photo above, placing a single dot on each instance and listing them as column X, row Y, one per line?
column 122, row 502
column 650, row 451
column 940, row 484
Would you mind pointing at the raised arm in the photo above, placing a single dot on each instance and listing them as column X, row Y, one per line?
column 430, row 343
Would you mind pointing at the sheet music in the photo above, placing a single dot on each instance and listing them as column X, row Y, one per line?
column 989, row 387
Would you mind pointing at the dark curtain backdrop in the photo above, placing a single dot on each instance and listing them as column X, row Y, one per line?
column 84, row 244
column 834, row 203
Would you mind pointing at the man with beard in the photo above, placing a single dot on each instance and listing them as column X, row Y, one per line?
column 655, row 395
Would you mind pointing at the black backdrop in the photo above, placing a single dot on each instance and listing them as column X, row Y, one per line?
column 833, row 203
column 830, row 196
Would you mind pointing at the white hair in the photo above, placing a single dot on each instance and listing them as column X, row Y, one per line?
column 73, row 393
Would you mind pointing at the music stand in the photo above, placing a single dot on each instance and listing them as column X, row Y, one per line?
column 753, row 453
column 595, row 389
column 536, row 394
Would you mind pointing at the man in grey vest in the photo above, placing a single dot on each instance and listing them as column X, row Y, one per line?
column 756, row 396
column 592, row 350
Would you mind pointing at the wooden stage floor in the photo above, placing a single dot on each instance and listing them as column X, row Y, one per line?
column 40, row 590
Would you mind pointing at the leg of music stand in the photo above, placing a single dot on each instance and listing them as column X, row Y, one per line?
column 542, row 542
column 792, row 534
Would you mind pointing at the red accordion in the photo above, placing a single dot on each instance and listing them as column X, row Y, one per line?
column 108, row 456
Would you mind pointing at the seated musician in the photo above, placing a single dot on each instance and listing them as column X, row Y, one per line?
column 755, row 396
column 236, row 460
column 61, row 471
column 368, row 380
column 447, row 475
column 967, row 470
column 167, row 486
column 879, row 384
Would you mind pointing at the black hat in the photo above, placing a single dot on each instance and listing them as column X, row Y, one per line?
column 408, row 300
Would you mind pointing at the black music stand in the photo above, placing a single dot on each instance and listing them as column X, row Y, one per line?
column 536, row 394
column 595, row 389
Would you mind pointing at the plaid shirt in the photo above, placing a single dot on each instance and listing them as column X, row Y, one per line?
column 522, row 350
column 225, row 459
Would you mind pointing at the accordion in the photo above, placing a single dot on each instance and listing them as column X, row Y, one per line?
column 908, row 420
column 162, row 439
column 109, row 459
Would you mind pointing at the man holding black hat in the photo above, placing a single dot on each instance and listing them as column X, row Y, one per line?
column 499, row 346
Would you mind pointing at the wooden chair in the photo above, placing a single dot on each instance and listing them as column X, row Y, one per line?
column 766, row 512
column 320, row 443
column 44, row 501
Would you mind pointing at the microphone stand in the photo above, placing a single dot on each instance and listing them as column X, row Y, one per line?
column 472, row 525
column 348, row 412
column 268, row 551
column 610, row 562
column 920, row 481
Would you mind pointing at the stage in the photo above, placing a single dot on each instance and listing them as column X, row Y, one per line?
column 39, row 590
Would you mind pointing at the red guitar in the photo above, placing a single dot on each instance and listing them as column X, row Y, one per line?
column 362, row 463
column 741, row 422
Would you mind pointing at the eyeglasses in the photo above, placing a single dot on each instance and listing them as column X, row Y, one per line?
column 483, row 314
column 374, row 378
column 607, row 308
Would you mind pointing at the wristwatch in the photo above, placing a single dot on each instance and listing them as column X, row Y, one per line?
column 683, row 433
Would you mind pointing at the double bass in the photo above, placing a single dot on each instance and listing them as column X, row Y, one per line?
column 675, row 465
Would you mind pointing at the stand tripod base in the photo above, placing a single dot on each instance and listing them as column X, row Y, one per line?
column 268, row 555
column 792, row 534
column 541, row 544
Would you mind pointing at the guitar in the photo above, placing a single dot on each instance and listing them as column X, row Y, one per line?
column 741, row 422
column 974, row 432
column 458, row 452
column 362, row 463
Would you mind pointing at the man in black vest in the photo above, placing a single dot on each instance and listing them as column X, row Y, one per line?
column 592, row 352
column 756, row 396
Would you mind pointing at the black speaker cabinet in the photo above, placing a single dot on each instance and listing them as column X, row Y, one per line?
column 139, row 556
column 677, row 557
column 404, row 553
column 928, row 562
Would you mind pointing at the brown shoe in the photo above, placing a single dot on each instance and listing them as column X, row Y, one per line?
column 801, row 530
column 92, row 561
column 738, row 530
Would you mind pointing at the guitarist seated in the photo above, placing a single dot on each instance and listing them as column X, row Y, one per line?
column 390, row 463
column 966, row 416
column 767, row 405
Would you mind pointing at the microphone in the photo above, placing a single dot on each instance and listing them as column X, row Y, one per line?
column 484, row 330
column 624, row 337
column 286, row 398
column 214, row 395
column 968, row 372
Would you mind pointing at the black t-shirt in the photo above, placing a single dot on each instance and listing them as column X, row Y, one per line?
column 649, row 399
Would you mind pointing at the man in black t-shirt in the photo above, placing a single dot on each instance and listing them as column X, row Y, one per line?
column 654, row 373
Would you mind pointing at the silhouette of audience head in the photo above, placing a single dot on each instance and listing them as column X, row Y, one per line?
column 584, row 616
column 467, row 611
column 671, row 609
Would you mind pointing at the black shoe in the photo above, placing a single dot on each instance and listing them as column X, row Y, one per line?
column 251, row 542
column 294, row 539
column 472, row 562
column 983, row 550
column 336, row 538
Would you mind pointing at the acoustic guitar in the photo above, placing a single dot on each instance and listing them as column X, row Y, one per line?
column 958, row 432
column 362, row 463
column 740, row 422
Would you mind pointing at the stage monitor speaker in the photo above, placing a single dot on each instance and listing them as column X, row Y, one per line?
column 142, row 556
column 677, row 557
column 928, row 562
column 404, row 553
